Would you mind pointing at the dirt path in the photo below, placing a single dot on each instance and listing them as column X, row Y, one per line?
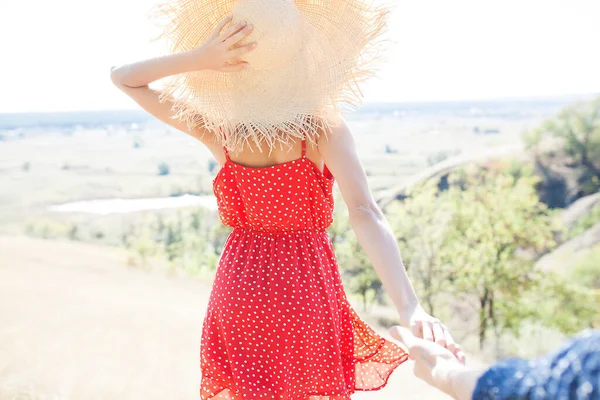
column 77, row 323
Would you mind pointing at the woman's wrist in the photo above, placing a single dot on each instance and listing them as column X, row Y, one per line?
column 407, row 309
column 406, row 300
column 182, row 62
column 192, row 60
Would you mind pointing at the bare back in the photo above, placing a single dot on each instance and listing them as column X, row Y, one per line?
column 260, row 157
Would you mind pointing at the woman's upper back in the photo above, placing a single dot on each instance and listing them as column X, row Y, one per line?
column 283, row 197
column 262, row 155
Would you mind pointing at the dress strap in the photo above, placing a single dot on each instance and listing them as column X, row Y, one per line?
column 303, row 147
column 226, row 153
column 225, row 148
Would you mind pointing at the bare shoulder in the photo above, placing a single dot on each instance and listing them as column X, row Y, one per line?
column 338, row 134
column 337, row 146
column 339, row 151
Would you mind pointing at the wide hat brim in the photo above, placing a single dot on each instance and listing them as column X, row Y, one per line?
column 336, row 46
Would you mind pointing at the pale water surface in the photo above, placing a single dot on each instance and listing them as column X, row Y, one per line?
column 122, row 206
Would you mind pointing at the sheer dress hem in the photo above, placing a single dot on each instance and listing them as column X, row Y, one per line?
column 227, row 392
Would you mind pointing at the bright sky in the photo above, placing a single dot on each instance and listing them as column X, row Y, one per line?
column 56, row 55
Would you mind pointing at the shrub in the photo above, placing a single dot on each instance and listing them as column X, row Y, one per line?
column 163, row 168
column 137, row 142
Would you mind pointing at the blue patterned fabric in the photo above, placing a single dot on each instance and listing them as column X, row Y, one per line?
column 571, row 372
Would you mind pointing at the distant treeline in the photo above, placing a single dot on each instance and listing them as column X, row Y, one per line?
column 509, row 108
column 85, row 119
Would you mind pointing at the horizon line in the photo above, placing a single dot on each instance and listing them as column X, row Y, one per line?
column 367, row 103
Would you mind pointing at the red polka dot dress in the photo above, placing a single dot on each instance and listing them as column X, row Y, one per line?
column 278, row 323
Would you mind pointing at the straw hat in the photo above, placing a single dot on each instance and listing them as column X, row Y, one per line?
column 311, row 57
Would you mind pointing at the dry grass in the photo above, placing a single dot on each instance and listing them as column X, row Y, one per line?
column 77, row 323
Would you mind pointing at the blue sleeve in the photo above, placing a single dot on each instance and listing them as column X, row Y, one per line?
column 571, row 372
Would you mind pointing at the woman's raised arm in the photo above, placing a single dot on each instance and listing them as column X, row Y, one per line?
column 133, row 80
column 215, row 53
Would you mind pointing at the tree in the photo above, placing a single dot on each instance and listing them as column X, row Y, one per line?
column 470, row 240
column 420, row 226
column 567, row 305
column 495, row 216
column 142, row 242
column 577, row 128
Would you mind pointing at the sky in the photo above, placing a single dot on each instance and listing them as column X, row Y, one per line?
column 56, row 55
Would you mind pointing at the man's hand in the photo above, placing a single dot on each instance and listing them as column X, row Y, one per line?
column 434, row 364
column 424, row 326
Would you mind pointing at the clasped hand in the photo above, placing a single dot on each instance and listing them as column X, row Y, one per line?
column 424, row 326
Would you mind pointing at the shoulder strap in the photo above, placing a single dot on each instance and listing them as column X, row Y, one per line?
column 303, row 147
column 226, row 152
column 225, row 148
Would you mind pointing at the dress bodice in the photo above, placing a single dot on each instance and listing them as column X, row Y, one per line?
column 293, row 195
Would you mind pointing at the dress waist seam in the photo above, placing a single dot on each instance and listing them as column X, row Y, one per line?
column 279, row 232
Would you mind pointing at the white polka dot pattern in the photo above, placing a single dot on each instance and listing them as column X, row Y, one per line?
column 278, row 324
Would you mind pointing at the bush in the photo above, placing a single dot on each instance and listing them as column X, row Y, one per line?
column 137, row 142
column 212, row 164
column 585, row 222
column 440, row 156
column 586, row 272
column 390, row 150
column 73, row 233
column 163, row 168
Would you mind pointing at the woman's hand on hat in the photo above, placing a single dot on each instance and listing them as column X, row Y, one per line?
column 222, row 51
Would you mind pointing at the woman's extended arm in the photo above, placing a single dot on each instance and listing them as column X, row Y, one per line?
column 215, row 53
column 375, row 235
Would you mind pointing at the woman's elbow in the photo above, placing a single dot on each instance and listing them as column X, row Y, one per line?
column 115, row 76
column 368, row 210
column 118, row 78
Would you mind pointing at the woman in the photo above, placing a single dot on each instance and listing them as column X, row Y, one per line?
column 278, row 324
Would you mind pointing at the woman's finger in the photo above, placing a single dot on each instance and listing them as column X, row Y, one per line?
column 221, row 24
column 427, row 331
column 459, row 354
column 438, row 333
column 231, row 30
column 233, row 67
column 238, row 51
column 461, row 357
column 416, row 329
column 450, row 343
column 233, row 39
